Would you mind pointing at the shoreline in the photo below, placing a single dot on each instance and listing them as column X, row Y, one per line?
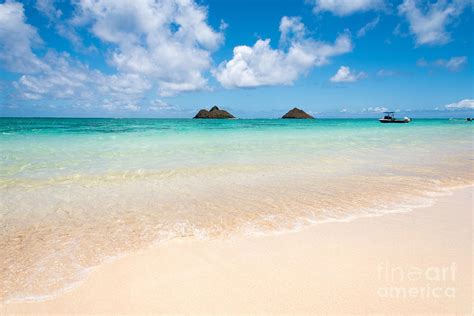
column 428, row 199
column 314, row 263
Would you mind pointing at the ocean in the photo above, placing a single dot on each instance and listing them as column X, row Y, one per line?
column 77, row 192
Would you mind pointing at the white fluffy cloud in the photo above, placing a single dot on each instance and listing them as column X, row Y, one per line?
column 166, row 45
column 463, row 104
column 291, row 28
column 345, row 74
column 66, row 78
column 346, row 7
column 17, row 38
column 429, row 22
column 169, row 41
column 58, row 75
column 260, row 64
column 61, row 80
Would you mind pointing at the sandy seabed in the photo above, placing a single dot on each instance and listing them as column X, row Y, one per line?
column 410, row 263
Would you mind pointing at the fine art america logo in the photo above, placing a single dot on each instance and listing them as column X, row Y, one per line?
column 429, row 282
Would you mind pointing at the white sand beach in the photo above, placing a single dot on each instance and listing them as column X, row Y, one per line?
column 414, row 262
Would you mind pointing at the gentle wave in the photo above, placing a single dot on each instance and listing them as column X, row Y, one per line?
column 427, row 199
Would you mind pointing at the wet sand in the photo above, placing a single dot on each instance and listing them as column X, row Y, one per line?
column 415, row 262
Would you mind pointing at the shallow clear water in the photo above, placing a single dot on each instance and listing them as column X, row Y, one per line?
column 75, row 192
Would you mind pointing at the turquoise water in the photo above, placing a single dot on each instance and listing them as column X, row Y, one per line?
column 51, row 148
column 75, row 192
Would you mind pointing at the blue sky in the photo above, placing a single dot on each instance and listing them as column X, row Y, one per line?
column 157, row 58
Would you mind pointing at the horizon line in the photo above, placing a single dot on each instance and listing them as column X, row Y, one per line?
column 191, row 118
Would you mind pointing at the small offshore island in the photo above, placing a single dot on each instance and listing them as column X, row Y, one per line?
column 213, row 113
column 296, row 113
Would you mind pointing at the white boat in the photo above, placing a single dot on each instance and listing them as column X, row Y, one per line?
column 389, row 117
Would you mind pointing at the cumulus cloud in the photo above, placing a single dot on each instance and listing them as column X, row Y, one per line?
column 452, row 64
column 291, row 28
column 66, row 78
column 368, row 27
column 345, row 74
column 463, row 104
column 61, row 80
column 154, row 44
column 346, row 7
column 169, row 41
column 17, row 38
column 429, row 22
column 260, row 64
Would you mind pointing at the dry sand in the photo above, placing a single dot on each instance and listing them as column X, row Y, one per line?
column 416, row 262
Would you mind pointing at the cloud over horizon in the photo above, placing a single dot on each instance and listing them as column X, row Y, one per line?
column 261, row 65
column 463, row 104
column 166, row 45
